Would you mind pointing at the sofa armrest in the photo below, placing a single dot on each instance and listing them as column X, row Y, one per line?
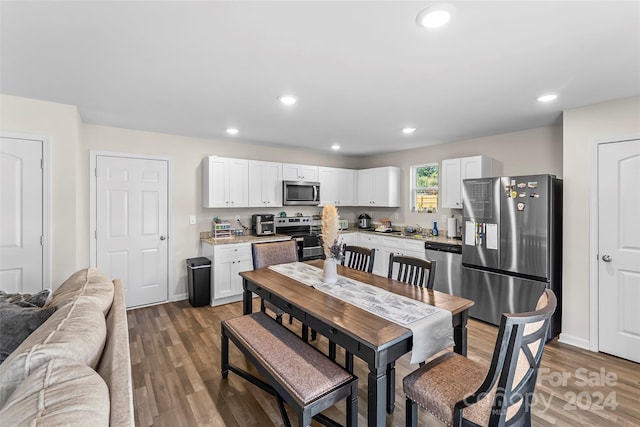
column 115, row 364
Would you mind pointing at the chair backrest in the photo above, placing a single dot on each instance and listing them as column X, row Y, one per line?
column 358, row 258
column 414, row 271
column 510, row 382
column 271, row 253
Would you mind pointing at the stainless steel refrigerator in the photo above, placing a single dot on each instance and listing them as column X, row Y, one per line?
column 512, row 244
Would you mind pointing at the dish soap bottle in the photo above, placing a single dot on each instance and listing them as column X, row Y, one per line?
column 435, row 228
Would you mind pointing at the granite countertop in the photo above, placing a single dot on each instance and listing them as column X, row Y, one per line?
column 205, row 237
column 414, row 236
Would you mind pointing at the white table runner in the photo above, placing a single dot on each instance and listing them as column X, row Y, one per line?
column 431, row 326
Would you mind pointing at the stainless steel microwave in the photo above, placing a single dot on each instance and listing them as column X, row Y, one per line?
column 300, row 193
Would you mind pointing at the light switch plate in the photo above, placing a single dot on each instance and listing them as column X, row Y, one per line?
column 192, row 219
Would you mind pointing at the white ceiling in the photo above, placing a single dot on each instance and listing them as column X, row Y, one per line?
column 362, row 70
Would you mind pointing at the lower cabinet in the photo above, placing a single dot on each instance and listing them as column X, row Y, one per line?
column 385, row 246
column 227, row 261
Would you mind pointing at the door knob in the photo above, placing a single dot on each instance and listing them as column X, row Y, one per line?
column 162, row 237
column 606, row 258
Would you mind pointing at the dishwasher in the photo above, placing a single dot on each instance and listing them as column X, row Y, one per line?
column 448, row 258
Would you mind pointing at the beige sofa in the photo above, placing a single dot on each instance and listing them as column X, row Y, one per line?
column 75, row 369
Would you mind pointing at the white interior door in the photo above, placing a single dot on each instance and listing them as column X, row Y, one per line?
column 21, row 215
column 619, row 248
column 132, row 226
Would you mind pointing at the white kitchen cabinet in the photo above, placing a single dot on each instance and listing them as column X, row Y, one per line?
column 379, row 187
column 265, row 184
column 293, row 172
column 350, row 239
column 337, row 186
column 454, row 171
column 227, row 261
column 225, row 182
column 371, row 241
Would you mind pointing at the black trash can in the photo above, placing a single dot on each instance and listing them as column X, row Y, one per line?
column 199, row 281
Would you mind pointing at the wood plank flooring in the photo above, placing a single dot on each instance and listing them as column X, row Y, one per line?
column 175, row 357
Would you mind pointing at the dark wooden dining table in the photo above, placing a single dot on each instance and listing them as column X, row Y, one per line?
column 377, row 341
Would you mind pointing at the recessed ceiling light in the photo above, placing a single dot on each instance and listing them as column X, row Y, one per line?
column 335, row 147
column 435, row 16
column 288, row 99
column 408, row 131
column 547, row 98
column 232, row 131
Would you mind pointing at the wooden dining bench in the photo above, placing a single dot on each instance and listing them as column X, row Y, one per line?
column 295, row 371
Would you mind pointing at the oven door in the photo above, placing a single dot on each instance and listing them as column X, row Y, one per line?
column 309, row 248
column 300, row 193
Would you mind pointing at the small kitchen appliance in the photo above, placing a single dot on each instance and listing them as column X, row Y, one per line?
column 300, row 193
column 364, row 221
column 262, row 224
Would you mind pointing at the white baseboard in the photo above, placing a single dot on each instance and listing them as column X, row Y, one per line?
column 574, row 341
column 179, row 297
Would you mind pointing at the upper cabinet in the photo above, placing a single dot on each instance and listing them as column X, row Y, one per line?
column 379, row 187
column 292, row 172
column 266, row 184
column 225, row 182
column 337, row 186
column 454, row 171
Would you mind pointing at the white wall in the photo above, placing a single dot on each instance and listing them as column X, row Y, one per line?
column 60, row 123
column 580, row 128
column 186, row 154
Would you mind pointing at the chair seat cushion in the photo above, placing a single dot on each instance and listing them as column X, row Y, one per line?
column 440, row 384
column 303, row 370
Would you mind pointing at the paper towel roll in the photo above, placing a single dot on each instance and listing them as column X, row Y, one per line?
column 452, row 227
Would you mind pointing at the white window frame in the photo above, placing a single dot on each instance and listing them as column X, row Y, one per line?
column 414, row 188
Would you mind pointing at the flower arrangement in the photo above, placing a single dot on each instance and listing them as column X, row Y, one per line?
column 330, row 233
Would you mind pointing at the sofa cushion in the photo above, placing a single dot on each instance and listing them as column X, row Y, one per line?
column 76, row 331
column 17, row 323
column 88, row 282
column 59, row 393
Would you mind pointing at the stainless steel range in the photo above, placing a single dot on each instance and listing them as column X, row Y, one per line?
column 305, row 230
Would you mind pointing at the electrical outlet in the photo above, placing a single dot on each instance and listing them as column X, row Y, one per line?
column 396, row 216
column 444, row 219
column 237, row 218
column 192, row 219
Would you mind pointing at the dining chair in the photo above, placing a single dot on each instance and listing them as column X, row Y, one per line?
column 460, row 392
column 358, row 258
column 414, row 271
column 271, row 253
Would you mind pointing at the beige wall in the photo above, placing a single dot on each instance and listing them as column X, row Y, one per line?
column 519, row 153
column 581, row 127
column 186, row 155
column 60, row 123
column 564, row 151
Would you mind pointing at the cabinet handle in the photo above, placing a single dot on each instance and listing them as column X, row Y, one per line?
column 332, row 331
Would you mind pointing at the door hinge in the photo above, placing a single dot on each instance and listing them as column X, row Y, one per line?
column 41, row 240
column 95, row 234
column 41, row 163
column 95, row 172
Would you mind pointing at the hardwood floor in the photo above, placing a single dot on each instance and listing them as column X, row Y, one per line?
column 175, row 357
